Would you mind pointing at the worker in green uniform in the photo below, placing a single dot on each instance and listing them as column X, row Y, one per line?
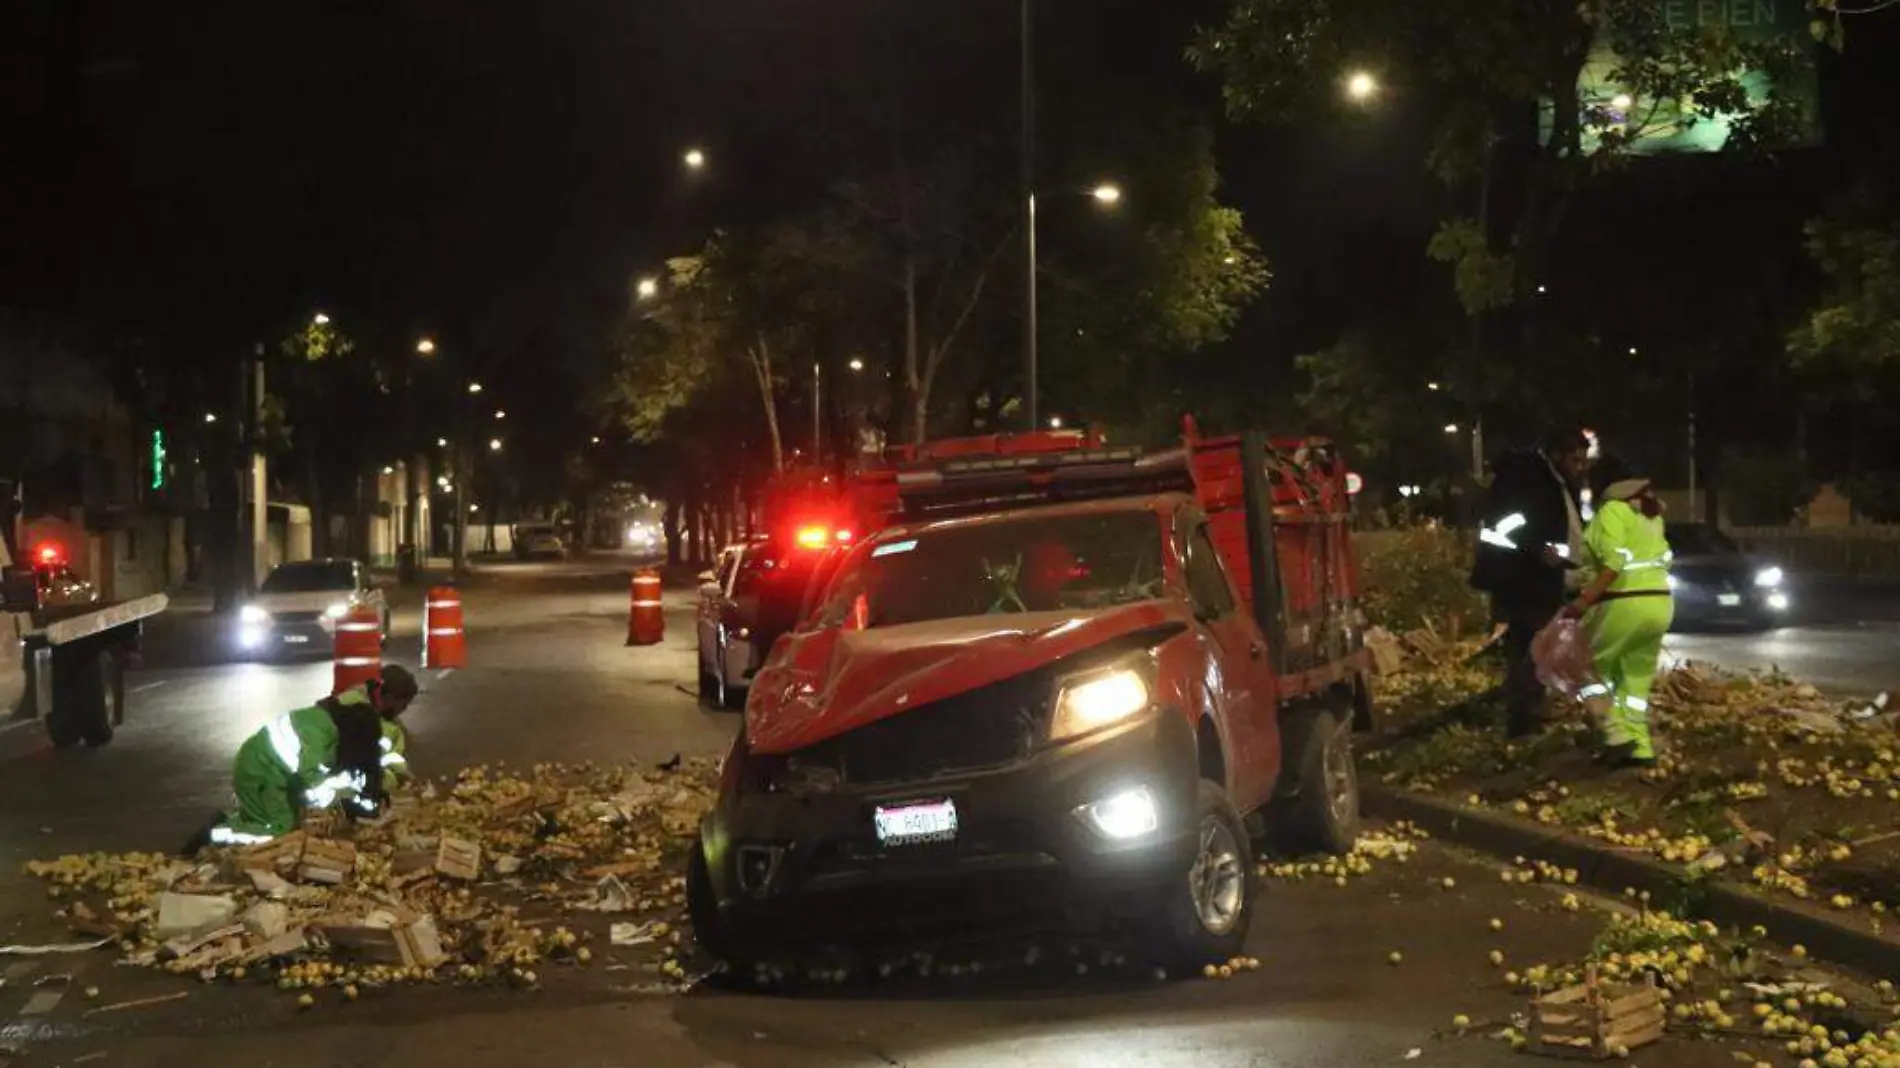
column 311, row 757
column 1626, row 609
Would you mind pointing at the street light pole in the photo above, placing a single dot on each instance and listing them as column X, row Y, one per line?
column 817, row 414
column 1029, row 215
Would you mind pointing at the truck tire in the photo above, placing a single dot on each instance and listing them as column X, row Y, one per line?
column 1321, row 815
column 62, row 730
column 709, row 931
column 1203, row 917
column 97, row 729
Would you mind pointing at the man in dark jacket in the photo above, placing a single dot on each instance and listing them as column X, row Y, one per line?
column 1530, row 540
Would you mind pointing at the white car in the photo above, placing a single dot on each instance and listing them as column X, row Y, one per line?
column 297, row 608
column 538, row 541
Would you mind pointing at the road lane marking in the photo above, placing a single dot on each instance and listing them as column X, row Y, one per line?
column 444, row 673
column 19, row 969
column 148, row 686
column 43, row 1002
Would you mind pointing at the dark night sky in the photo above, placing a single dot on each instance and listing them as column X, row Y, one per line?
column 496, row 170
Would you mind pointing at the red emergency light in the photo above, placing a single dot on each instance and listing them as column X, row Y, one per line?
column 818, row 536
column 51, row 553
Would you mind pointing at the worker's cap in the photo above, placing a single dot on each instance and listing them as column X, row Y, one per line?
column 1625, row 489
column 398, row 683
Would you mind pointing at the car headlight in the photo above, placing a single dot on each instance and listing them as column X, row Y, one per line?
column 1125, row 815
column 1769, row 577
column 1099, row 699
column 337, row 610
column 251, row 615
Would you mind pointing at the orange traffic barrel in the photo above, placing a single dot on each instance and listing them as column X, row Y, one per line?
column 443, row 643
column 359, row 648
column 646, row 625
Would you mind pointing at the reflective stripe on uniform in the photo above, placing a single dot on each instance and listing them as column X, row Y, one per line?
column 1500, row 535
column 284, row 741
column 227, row 836
column 391, row 760
column 1595, row 689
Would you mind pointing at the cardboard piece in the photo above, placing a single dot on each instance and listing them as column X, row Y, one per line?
column 266, row 920
column 283, row 945
column 182, row 914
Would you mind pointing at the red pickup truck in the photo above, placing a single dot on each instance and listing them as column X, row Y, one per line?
column 1051, row 684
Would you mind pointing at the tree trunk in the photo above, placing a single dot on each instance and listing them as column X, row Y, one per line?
column 760, row 357
column 914, row 383
column 319, row 519
column 670, row 528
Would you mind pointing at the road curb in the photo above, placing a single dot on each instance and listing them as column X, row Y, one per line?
column 1603, row 868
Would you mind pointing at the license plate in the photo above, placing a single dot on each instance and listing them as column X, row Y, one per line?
column 912, row 824
column 1729, row 600
column 296, row 639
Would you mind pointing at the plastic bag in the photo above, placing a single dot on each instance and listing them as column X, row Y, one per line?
column 1561, row 652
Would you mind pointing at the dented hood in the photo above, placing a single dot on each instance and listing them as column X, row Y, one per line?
column 824, row 683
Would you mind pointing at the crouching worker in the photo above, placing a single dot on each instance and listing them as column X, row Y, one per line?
column 311, row 758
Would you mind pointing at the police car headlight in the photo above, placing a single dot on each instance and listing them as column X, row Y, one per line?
column 1089, row 702
column 253, row 616
column 1769, row 577
column 337, row 610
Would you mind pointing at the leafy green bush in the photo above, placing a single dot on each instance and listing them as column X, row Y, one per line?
column 1419, row 577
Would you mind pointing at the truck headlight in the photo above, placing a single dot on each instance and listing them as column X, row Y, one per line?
column 1769, row 577
column 337, row 610
column 1086, row 703
column 1125, row 815
column 252, row 616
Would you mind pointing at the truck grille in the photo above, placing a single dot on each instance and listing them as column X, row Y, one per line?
column 995, row 725
column 297, row 617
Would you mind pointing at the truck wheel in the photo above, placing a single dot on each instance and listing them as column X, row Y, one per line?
column 1204, row 917
column 61, row 729
column 709, row 931
column 111, row 707
column 1322, row 815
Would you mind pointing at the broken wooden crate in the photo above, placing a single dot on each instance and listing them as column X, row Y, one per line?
column 458, row 858
column 326, row 861
column 1597, row 1020
column 412, row 944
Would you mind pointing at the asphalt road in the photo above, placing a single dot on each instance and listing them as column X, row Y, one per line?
column 1841, row 637
column 549, row 679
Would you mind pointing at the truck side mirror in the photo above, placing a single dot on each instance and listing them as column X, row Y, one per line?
column 20, row 589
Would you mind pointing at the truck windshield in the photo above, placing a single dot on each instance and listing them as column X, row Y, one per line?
column 311, row 578
column 1036, row 564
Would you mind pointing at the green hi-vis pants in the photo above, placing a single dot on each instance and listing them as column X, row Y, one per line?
column 1626, row 636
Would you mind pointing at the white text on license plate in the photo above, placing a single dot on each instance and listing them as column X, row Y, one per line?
column 1729, row 600
column 928, row 821
column 296, row 639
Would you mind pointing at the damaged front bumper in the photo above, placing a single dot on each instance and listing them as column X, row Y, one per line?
column 1080, row 833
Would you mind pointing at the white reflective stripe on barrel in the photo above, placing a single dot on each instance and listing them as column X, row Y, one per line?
column 358, row 661
column 649, row 604
column 445, row 630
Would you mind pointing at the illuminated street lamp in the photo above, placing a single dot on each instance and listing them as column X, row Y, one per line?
column 441, row 443
column 1451, row 428
column 1361, row 86
column 499, row 414
column 474, row 387
column 425, row 347
column 695, row 159
column 856, row 364
column 1622, row 101
column 647, row 288
column 1055, row 422
column 1433, row 386
column 211, row 417
column 1105, row 194
column 494, row 444
column 320, row 319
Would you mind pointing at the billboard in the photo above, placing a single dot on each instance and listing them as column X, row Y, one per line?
column 1664, row 126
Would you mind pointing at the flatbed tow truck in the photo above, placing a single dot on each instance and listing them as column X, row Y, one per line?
column 71, row 658
column 1052, row 683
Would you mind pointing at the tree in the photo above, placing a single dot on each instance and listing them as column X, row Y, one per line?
column 1500, row 82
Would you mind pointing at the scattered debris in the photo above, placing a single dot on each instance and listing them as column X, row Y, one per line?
column 138, row 1003
column 405, row 899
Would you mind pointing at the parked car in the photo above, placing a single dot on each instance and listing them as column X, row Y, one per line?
column 751, row 597
column 298, row 605
column 538, row 541
column 1715, row 583
column 1058, row 686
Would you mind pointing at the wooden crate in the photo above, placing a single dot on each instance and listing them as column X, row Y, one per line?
column 1597, row 1020
column 326, row 861
column 458, row 858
